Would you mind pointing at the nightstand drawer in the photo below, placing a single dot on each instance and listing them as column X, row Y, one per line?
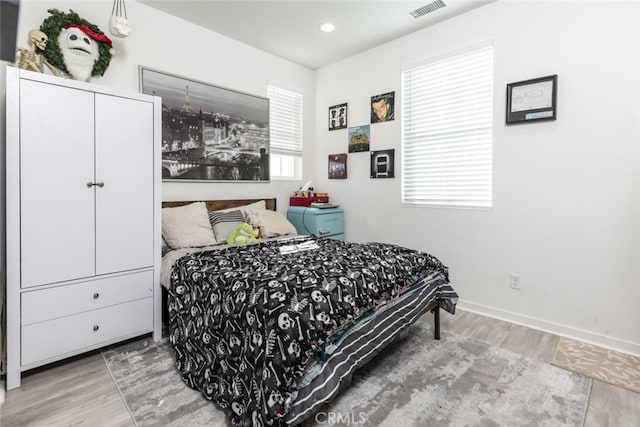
column 318, row 222
column 328, row 224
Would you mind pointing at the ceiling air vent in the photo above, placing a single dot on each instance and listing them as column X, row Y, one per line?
column 428, row 8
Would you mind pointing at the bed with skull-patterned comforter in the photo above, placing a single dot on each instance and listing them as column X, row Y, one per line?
column 270, row 331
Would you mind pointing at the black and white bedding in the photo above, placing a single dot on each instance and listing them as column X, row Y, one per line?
column 269, row 332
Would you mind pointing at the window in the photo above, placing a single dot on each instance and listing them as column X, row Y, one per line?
column 285, row 121
column 447, row 137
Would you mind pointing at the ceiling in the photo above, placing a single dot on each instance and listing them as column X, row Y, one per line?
column 289, row 29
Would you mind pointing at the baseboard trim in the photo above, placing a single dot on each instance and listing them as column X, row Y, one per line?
column 553, row 328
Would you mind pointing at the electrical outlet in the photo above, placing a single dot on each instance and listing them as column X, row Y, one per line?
column 515, row 281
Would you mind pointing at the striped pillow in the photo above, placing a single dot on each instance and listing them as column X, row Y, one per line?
column 223, row 223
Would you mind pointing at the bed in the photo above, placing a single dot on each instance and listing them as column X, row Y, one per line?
column 271, row 331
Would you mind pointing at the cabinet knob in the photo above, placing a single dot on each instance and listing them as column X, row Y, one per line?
column 91, row 184
column 96, row 295
column 95, row 328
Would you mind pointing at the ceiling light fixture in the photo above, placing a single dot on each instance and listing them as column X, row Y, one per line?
column 327, row 27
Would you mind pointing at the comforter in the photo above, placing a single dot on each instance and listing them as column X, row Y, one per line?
column 246, row 321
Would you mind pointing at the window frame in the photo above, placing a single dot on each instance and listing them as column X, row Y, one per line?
column 446, row 188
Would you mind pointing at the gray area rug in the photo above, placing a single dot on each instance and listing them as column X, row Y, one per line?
column 417, row 382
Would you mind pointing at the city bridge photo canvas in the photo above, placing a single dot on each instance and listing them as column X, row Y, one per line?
column 209, row 133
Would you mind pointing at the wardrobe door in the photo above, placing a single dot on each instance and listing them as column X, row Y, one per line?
column 56, row 163
column 124, row 163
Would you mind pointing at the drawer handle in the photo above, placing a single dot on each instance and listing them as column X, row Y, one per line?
column 95, row 328
column 96, row 295
column 323, row 232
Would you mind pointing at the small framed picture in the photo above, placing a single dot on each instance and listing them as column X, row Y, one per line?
column 382, row 164
column 359, row 138
column 338, row 166
column 382, row 107
column 338, row 117
column 532, row 100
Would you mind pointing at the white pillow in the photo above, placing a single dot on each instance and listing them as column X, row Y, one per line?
column 187, row 226
column 271, row 223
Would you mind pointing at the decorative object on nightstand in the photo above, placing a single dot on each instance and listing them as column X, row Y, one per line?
column 320, row 222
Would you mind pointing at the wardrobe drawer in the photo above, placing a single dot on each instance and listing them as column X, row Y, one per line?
column 47, row 341
column 47, row 304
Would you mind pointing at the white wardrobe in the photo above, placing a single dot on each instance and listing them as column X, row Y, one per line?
column 83, row 218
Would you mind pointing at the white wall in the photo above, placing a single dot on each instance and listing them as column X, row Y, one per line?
column 166, row 43
column 566, row 193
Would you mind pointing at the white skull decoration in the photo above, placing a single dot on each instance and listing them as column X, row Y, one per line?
column 237, row 408
column 257, row 339
column 274, row 397
column 119, row 26
column 234, row 341
column 285, row 321
column 317, row 296
column 38, row 39
column 345, row 281
column 294, row 349
column 323, row 317
column 250, row 318
column 274, row 284
column 241, row 296
column 280, row 296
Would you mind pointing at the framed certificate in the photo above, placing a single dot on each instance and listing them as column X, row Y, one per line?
column 532, row 100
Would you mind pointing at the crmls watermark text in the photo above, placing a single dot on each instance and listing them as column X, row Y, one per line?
column 350, row 418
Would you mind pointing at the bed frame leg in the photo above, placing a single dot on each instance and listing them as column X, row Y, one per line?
column 436, row 322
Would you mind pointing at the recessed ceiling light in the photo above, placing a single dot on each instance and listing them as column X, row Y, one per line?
column 327, row 27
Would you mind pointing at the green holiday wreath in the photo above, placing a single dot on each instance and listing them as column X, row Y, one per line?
column 53, row 25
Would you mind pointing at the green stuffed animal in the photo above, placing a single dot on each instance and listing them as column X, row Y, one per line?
column 243, row 234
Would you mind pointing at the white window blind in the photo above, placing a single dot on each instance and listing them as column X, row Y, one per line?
column 447, row 116
column 285, row 121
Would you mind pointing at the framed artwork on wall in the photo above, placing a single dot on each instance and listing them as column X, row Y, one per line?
column 383, row 107
column 338, row 166
column 338, row 117
column 532, row 100
column 359, row 138
column 382, row 164
column 209, row 133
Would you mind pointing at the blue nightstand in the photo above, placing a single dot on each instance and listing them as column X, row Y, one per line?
column 321, row 222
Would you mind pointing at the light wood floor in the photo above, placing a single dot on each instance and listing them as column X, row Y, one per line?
column 81, row 392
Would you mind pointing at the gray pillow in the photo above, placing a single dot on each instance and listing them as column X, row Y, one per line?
column 223, row 223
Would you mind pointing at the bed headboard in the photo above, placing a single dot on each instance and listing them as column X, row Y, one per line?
column 214, row 205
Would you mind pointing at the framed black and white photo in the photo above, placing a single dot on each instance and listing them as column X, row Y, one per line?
column 532, row 100
column 338, row 117
column 382, row 164
column 209, row 133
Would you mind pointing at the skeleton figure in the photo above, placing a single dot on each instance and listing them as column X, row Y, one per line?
column 31, row 59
